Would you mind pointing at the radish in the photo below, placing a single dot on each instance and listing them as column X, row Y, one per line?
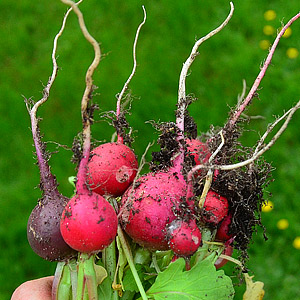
column 220, row 262
column 215, row 208
column 88, row 223
column 184, row 237
column 223, row 229
column 43, row 227
column 198, row 150
column 111, row 169
column 149, row 205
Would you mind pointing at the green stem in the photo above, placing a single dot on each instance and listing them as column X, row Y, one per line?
column 129, row 257
column 57, row 279
column 155, row 264
column 90, row 276
column 110, row 263
column 64, row 288
column 80, row 279
column 73, row 274
column 202, row 252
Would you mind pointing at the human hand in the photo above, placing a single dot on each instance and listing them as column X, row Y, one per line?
column 38, row 289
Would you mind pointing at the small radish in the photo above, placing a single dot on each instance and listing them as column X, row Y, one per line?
column 198, row 150
column 111, row 169
column 184, row 237
column 220, row 262
column 149, row 205
column 223, row 229
column 43, row 229
column 215, row 208
column 89, row 223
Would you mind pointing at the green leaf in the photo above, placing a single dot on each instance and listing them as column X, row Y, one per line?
column 105, row 290
column 128, row 279
column 122, row 261
column 201, row 282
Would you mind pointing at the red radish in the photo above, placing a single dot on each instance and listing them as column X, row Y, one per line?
column 220, row 262
column 215, row 208
column 184, row 237
column 111, row 169
column 223, row 229
column 149, row 206
column 198, row 150
column 89, row 223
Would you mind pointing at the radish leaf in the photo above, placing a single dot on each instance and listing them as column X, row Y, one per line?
column 201, row 282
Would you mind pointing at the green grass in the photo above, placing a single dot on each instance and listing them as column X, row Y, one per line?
column 27, row 32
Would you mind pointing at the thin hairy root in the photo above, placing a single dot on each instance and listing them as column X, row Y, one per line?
column 125, row 87
column 242, row 106
column 46, row 91
column 47, row 179
column 240, row 100
column 86, row 95
column 182, row 103
column 260, row 149
column 242, row 95
column 229, row 258
column 186, row 67
column 209, row 175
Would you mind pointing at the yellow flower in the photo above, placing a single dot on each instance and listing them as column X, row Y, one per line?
column 287, row 33
column 264, row 44
column 270, row 15
column 267, row 207
column 292, row 53
column 283, row 224
column 269, row 30
column 296, row 242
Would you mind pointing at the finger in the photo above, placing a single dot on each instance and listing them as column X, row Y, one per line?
column 38, row 289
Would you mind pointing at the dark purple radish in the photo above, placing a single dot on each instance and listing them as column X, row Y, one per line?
column 184, row 237
column 43, row 227
column 111, row 169
column 149, row 205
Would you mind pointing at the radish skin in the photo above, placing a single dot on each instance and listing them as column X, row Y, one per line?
column 215, row 208
column 89, row 223
column 111, row 169
column 150, row 206
column 184, row 237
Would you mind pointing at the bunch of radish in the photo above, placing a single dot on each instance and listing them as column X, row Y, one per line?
column 188, row 206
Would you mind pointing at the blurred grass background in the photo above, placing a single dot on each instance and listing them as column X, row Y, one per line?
column 27, row 30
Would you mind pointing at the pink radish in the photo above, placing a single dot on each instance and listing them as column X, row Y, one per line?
column 215, row 208
column 111, row 169
column 223, row 229
column 149, row 205
column 184, row 237
column 89, row 223
column 198, row 150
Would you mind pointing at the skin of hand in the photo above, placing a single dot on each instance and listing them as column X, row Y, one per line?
column 38, row 289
